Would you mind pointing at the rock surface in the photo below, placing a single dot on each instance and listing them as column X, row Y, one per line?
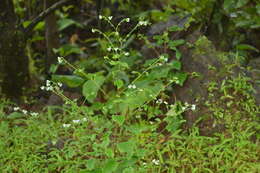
column 205, row 66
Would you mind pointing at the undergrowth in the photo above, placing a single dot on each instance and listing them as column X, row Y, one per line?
column 118, row 127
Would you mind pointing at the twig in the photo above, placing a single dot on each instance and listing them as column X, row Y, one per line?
column 44, row 14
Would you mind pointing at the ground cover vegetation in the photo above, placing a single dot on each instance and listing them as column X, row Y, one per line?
column 133, row 86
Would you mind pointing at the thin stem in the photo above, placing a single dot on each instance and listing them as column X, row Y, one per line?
column 130, row 33
column 104, row 35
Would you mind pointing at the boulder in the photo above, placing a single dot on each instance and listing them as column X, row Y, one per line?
column 206, row 66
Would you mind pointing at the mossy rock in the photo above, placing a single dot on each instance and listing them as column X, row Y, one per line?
column 208, row 68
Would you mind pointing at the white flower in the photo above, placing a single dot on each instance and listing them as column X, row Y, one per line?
column 76, row 121
column 193, row 107
column 100, row 17
column 24, row 111
column 50, row 88
column 109, row 49
column 42, row 87
column 116, row 48
column 16, row 108
column 159, row 101
column 60, row 60
column 48, row 83
column 127, row 19
column 132, row 86
column 66, row 125
column 159, row 64
column 93, row 30
column 165, row 102
column 163, row 58
column 110, row 17
column 84, row 119
column 138, row 116
column 59, row 84
column 126, row 53
column 156, row 162
column 34, row 114
column 143, row 23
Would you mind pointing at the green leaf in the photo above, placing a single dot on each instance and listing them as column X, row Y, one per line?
column 181, row 77
column 174, row 119
column 246, row 47
column 15, row 115
column 92, row 86
column 119, row 119
column 53, row 68
column 129, row 170
column 91, row 163
column 127, row 163
column 176, row 65
column 175, row 28
column 70, row 80
column 39, row 27
column 98, row 170
column 64, row 23
column 134, row 98
column 118, row 83
column 244, row 23
column 110, row 166
column 159, row 72
column 241, row 3
column 26, row 23
column 126, row 147
column 173, row 123
column 36, row 38
column 228, row 4
column 110, row 153
column 178, row 54
column 158, row 15
column 68, row 49
column 173, row 44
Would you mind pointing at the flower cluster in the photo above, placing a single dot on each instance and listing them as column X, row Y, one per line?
column 106, row 18
column 25, row 112
column 160, row 101
column 163, row 58
column 109, row 49
column 126, row 53
column 143, row 23
column 176, row 80
column 75, row 122
column 193, row 107
column 132, row 86
column 155, row 162
column 60, row 60
column 188, row 106
column 50, row 86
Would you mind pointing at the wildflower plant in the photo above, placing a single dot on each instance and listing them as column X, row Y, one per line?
column 133, row 87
